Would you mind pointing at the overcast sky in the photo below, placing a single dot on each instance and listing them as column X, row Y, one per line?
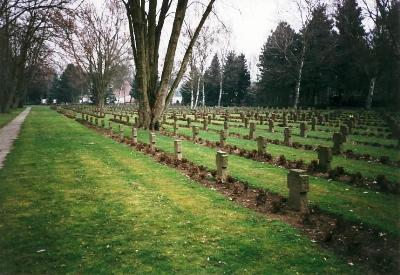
column 253, row 20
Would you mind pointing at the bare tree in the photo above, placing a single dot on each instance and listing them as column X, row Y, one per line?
column 380, row 14
column 222, row 54
column 97, row 43
column 146, row 24
column 305, row 8
column 24, row 33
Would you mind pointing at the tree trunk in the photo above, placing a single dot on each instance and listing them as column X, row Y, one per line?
column 202, row 92
column 298, row 84
column 197, row 92
column 220, row 91
column 191, row 93
column 145, row 37
column 370, row 95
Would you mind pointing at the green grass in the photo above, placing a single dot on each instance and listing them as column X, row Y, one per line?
column 354, row 204
column 368, row 169
column 72, row 201
column 393, row 154
column 7, row 117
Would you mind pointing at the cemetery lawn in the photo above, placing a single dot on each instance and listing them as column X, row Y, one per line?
column 73, row 201
column 7, row 117
column 357, row 205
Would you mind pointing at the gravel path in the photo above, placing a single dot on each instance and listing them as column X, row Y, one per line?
column 9, row 133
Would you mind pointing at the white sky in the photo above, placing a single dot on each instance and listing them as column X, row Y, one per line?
column 252, row 21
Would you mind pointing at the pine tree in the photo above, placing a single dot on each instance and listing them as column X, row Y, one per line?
column 185, row 91
column 278, row 66
column 243, row 81
column 229, row 80
column 385, row 55
column 351, row 52
column 236, row 80
column 318, row 73
column 211, row 81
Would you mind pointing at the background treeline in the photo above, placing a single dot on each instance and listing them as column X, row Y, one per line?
column 331, row 61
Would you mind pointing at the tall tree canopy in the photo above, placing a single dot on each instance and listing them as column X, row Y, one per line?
column 236, row 80
column 278, row 67
column 212, row 81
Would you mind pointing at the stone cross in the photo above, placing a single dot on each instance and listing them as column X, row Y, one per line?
column 252, row 131
column 226, row 125
column 271, row 125
column 175, row 126
column 121, row 131
column 303, row 128
column 320, row 119
column 134, row 135
column 287, row 134
column 205, row 124
column 298, row 184
column 195, row 133
column 152, row 140
column 313, row 122
column 261, row 145
column 324, row 158
column 285, row 120
column 350, row 125
column 337, row 143
column 344, row 130
column 178, row 149
column 223, row 135
column 222, row 165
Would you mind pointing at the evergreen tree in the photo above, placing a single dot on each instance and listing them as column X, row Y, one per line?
column 229, row 80
column 185, row 91
column 236, row 80
column 53, row 90
column 70, row 86
column 243, row 80
column 278, row 66
column 351, row 53
column 211, row 81
column 385, row 59
column 318, row 79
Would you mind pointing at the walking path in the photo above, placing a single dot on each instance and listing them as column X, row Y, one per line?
column 9, row 133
